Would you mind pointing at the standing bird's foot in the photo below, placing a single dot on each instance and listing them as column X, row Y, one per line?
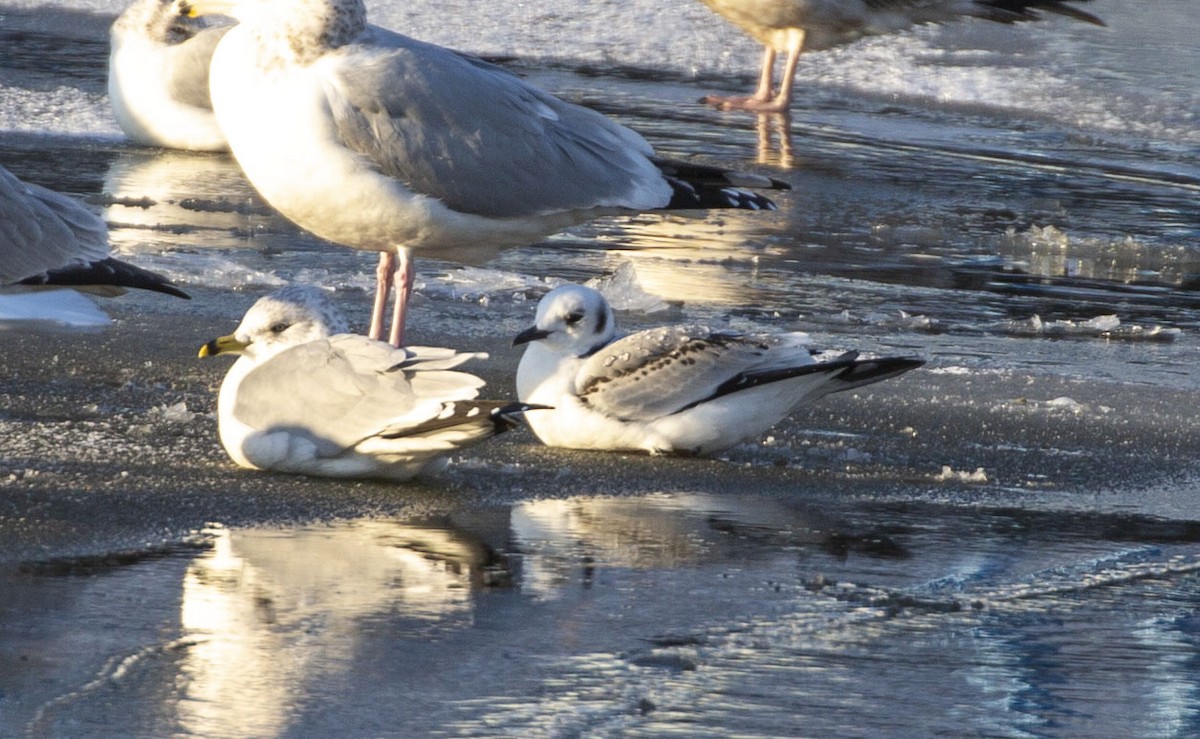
column 751, row 103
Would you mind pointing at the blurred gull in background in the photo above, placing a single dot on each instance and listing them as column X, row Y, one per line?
column 793, row 26
column 158, row 76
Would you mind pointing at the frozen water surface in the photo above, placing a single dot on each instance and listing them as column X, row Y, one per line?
column 1002, row 543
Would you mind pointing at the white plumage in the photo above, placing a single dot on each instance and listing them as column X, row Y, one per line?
column 306, row 397
column 676, row 389
column 384, row 143
column 158, row 76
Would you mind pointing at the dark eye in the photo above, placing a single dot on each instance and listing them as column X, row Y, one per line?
column 279, row 328
column 574, row 318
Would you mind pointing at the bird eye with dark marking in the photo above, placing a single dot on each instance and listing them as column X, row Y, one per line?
column 574, row 318
column 279, row 328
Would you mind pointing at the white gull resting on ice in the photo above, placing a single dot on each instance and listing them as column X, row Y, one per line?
column 380, row 142
column 794, row 26
column 306, row 397
column 677, row 389
column 158, row 76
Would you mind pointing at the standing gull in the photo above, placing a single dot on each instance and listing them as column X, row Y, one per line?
column 306, row 397
column 50, row 240
column 158, row 76
column 792, row 26
column 677, row 389
column 381, row 142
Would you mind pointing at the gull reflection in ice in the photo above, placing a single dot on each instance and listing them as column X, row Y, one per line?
column 172, row 199
column 276, row 613
column 564, row 541
column 713, row 259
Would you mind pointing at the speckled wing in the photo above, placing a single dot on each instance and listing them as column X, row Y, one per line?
column 42, row 230
column 342, row 390
column 480, row 139
column 662, row 371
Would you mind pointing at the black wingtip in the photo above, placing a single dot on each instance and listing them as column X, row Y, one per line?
column 108, row 271
column 703, row 187
column 511, row 415
column 868, row 371
column 1010, row 11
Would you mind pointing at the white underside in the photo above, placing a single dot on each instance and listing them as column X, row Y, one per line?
column 546, row 378
column 295, row 452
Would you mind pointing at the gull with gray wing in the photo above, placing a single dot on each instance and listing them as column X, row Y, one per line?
column 306, row 397
column 50, row 240
column 381, row 142
column 676, row 389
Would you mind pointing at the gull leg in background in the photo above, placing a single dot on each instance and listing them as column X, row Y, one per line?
column 783, row 100
column 404, row 276
column 766, row 76
column 384, row 274
column 764, row 100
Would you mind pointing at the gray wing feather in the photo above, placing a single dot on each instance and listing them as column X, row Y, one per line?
column 658, row 372
column 340, row 391
column 41, row 230
column 480, row 139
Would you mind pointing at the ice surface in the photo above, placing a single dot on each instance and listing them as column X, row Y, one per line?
column 1044, row 70
column 64, row 308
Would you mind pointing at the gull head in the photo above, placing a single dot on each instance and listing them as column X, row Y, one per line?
column 285, row 318
column 572, row 320
column 300, row 31
column 163, row 21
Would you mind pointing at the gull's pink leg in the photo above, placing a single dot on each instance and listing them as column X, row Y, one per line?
column 405, row 276
column 783, row 101
column 765, row 78
column 760, row 96
column 765, row 103
column 383, row 286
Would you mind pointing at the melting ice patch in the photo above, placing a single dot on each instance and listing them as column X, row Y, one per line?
column 624, row 291
column 1105, row 327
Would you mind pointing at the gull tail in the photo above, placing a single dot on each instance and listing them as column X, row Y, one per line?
column 107, row 273
column 701, row 187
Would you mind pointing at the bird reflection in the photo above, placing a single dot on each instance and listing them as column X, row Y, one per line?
column 779, row 126
column 271, row 616
column 276, row 612
column 189, row 199
column 682, row 260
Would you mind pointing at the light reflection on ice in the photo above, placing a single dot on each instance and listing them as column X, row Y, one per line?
column 646, row 614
